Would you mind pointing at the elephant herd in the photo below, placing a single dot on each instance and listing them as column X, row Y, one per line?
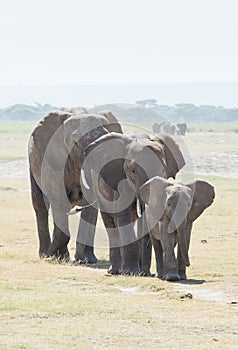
column 81, row 159
column 167, row 127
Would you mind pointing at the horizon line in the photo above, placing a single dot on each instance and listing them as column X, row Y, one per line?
column 116, row 84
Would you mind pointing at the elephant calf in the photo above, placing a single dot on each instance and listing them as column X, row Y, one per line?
column 171, row 210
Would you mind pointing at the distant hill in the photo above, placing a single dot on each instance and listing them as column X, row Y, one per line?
column 149, row 111
column 204, row 113
column 21, row 112
column 140, row 112
column 131, row 113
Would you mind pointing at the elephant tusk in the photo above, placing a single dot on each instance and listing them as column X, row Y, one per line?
column 78, row 209
column 138, row 208
column 84, row 180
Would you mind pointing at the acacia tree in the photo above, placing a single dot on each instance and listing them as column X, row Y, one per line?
column 148, row 103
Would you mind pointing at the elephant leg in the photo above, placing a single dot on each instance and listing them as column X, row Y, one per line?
column 41, row 207
column 86, row 234
column 170, row 262
column 114, row 243
column 61, row 235
column 89, row 254
column 129, row 243
column 181, row 265
column 145, row 247
column 158, row 256
column 183, row 236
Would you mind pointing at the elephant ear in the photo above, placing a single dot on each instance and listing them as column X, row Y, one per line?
column 105, row 149
column 113, row 124
column 153, row 193
column 49, row 132
column 173, row 156
column 203, row 196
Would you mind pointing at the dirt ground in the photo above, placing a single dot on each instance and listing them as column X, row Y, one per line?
column 45, row 304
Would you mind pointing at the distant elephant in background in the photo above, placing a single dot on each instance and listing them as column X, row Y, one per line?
column 114, row 159
column 181, row 128
column 156, row 128
column 165, row 127
column 172, row 209
column 55, row 149
column 168, row 128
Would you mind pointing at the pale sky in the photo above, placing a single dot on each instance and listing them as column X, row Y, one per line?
column 50, row 42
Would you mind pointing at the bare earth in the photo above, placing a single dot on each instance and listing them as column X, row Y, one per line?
column 219, row 164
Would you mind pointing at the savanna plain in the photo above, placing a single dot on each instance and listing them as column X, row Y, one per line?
column 45, row 304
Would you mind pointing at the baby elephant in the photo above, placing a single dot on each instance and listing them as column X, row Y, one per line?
column 171, row 209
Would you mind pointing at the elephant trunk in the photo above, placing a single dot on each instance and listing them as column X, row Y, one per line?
column 184, row 233
column 169, row 259
column 178, row 215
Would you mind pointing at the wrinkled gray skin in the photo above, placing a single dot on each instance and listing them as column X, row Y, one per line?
column 139, row 136
column 55, row 149
column 136, row 161
column 174, row 207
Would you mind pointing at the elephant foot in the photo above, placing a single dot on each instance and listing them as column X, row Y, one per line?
column 172, row 277
column 182, row 274
column 43, row 254
column 63, row 256
column 131, row 267
column 90, row 256
column 131, row 271
column 44, row 251
column 59, row 254
column 85, row 254
column 160, row 274
column 113, row 270
column 86, row 259
column 145, row 273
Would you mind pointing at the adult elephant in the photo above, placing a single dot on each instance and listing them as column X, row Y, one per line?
column 156, row 128
column 168, row 128
column 119, row 165
column 55, row 149
column 172, row 209
column 181, row 128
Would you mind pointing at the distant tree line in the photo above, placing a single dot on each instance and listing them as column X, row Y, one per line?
column 188, row 112
column 152, row 112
